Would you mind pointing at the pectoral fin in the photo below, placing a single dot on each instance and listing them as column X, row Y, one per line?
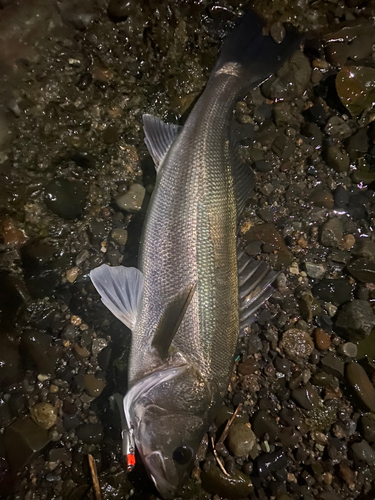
column 171, row 320
column 159, row 137
column 121, row 290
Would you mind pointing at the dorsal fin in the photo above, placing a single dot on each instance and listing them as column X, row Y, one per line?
column 170, row 321
column 159, row 137
column 120, row 289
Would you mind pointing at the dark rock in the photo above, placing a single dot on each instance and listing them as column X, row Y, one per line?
column 90, row 433
column 65, row 198
column 306, row 397
column 362, row 270
column 314, row 134
column 283, row 147
column 264, row 423
column 322, row 198
column 362, row 385
column 39, row 348
column 337, row 159
column 337, row 291
column 355, row 319
column 357, row 144
column 362, row 451
column 23, row 441
column 333, row 365
column 332, row 232
column 315, row 114
column 368, row 427
column 267, row 463
column 10, row 364
column 341, row 197
column 238, row 485
column 336, row 127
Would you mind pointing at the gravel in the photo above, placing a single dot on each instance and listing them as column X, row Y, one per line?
column 75, row 179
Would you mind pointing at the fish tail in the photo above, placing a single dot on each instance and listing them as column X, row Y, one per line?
column 252, row 56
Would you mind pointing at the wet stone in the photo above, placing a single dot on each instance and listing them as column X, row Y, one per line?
column 248, row 367
column 241, row 439
column 337, row 291
column 277, row 32
column 357, row 144
column 333, row 365
column 237, row 485
column 65, row 198
column 283, row 115
column 355, row 320
column 39, row 348
column 313, row 134
column 306, row 397
column 132, row 200
column 337, row 128
column 322, row 339
column 358, row 379
column 119, row 236
column 297, row 343
column 44, row 415
column 362, row 270
column 348, row 349
column 314, row 270
column 337, row 159
column 282, row 365
column 90, row 433
column 264, row 423
column 341, row 197
column 93, row 386
column 323, row 379
column 365, row 248
column 332, row 232
column 368, row 427
column 322, row 198
column 23, row 440
column 271, row 462
column 10, row 363
column 283, row 147
column 362, row 451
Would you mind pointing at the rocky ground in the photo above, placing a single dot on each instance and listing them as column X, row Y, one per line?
column 75, row 179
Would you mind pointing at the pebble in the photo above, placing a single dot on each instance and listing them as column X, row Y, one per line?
column 322, row 198
column 356, row 319
column 341, row 197
column 337, row 159
column 241, row 439
column 264, row 423
column 283, row 147
column 119, row 236
column 65, row 198
column 338, row 128
column 271, row 462
column 297, row 343
column 332, row 232
column 277, row 32
column 10, row 363
column 347, row 474
column 93, row 386
column 355, row 87
column 314, row 270
column 44, row 415
column 72, row 274
column 348, row 349
column 132, row 200
column 322, row 339
column 307, row 397
column 39, row 348
column 98, row 344
column 362, row 385
column 248, row 367
column 363, row 451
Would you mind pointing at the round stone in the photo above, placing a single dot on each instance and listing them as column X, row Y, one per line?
column 44, row 415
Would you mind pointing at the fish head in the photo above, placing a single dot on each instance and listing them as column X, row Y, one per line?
column 170, row 419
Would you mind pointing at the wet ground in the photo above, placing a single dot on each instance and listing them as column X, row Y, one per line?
column 75, row 179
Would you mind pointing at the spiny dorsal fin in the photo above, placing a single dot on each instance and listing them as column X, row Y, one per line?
column 171, row 320
column 159, row 137
column 121, row 291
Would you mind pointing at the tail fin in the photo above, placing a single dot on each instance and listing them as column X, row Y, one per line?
column 250, row 54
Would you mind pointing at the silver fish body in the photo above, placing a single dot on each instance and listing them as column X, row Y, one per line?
column 178, row 376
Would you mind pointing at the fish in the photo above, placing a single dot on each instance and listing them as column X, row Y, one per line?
column 194, row 288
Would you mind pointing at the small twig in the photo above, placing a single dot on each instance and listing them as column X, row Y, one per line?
column 217, row 458
column 94, row 476
column 227, row 427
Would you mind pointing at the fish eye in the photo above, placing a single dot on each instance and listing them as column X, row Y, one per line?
column 183, row 454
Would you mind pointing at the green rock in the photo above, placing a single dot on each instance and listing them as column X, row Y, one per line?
column 241, row 439
column 24, row 439
column 93, row 386
column 236, row 486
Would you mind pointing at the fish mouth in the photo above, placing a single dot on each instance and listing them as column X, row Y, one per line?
column 156, row 469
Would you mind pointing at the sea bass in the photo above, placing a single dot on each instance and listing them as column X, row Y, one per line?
column 185, row 303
